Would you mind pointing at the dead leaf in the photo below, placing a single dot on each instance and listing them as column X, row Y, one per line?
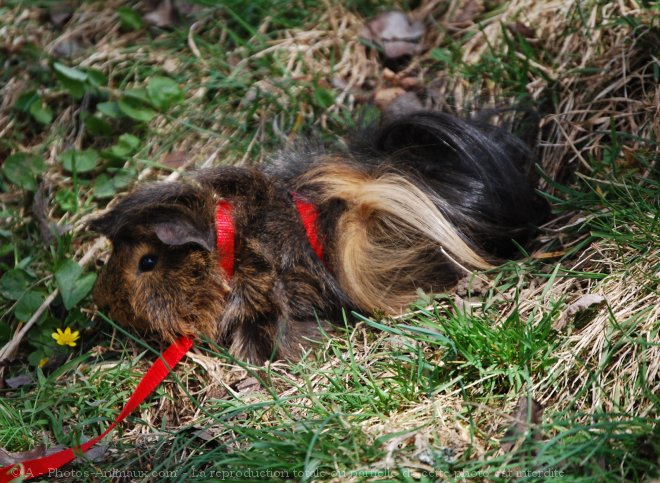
column 471, row 286
column 580, row 305
column 584, row 302
column 423, row 449
column 526, row 416
column 403, row 104
column 204, row 435
column 383, row 97
column 175, row 159
column 187, row 8
column 162, row 16
column 463, row 306
column 60, row 13
column 171, row 65
column 395, row 34
column 95, row 454
column 69, row 47
column 390, row 76
column 250, row 384
column 8, row 458
column 18, row 381
column 168, row 13
column 396, row 80
column 522, row 29
column 409, row 83
column 466, row 12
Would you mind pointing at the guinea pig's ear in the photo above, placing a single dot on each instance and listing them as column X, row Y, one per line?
column 105, row 224
column 177, row 233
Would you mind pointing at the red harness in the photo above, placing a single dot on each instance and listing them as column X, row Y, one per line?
column 226, row 231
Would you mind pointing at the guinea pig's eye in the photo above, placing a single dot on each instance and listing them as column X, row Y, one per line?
column 148, row 263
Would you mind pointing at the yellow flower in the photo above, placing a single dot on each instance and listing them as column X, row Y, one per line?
column 42, row 362
column 67, row 337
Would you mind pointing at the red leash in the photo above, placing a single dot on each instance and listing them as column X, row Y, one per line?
column 158, row 371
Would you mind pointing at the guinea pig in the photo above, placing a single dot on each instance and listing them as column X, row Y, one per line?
column 257, row 257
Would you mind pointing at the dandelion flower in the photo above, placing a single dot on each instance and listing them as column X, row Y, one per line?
column 67, row 337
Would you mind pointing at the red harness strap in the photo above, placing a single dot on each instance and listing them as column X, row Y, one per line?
column 160, row 368
column 226, row 231
column 308, row 216
column 225, row 236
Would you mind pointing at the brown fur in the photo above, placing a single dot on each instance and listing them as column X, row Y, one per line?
column 391, row 222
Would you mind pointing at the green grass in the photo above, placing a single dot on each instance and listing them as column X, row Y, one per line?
column 428, row 395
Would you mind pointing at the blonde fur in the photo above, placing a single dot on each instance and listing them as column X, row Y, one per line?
column 387, row 239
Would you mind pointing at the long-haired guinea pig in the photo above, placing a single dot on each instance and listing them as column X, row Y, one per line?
column 255, row 257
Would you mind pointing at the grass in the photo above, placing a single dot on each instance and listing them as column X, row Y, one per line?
column 433, row 394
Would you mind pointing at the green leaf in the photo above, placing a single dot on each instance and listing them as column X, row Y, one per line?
column 67, row 274
column 41, row 112
column 72, row 79
column 104, row 187
column 110, row 109
column 5, row 333
column 139, row 95
column 96, row 77
column 97, row 126
column 82, row 161
column 26, row 100
column 83, row 287
column 123, row 178
column 86, row 160
column 75, row 88
column 31, row 103
column 67, row 200
column 73, row 287
column 129, row 18
column 22, row 169
column 13, row 284
column 129, row 141
column 164, row 92
column 70, row 72
column 28, row 305
column 136, row 110
column 35, row 357
column 126, row 145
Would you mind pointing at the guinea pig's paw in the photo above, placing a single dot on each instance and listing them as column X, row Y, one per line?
column 299, row 337
column 283, row 339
